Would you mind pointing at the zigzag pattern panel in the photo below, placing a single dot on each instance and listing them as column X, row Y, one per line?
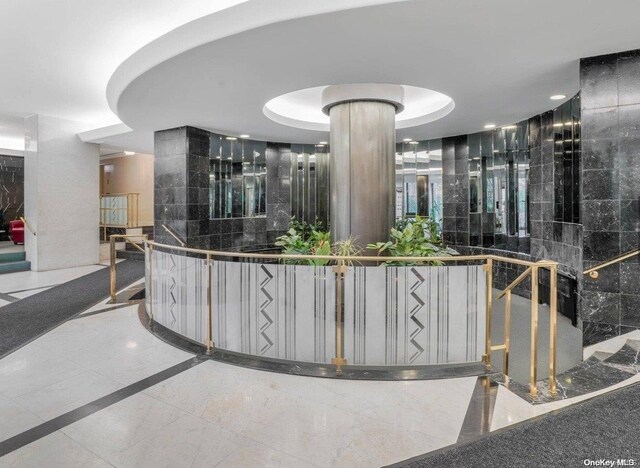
column 414, row 315
column 276, row 311
column 179, row 294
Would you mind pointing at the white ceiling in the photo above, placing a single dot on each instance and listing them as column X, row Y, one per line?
column 500, row 60
column 57, row 56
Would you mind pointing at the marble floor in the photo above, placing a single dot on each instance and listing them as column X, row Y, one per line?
column 16, row 286
column 101, row 390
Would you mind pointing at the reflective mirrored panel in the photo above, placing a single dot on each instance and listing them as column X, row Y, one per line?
column 310, row 183
column 237, row 178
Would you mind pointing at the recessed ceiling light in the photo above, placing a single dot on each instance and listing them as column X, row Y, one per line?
column 490, row 126
column 319, row 145
column 509, row 127
column 231, row 138
column 413, row 142
column 322, row 143
column 557, row 97
column 244, row 135
column 407, row 140
column 129, row 153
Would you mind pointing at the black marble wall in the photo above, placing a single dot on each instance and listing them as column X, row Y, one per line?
column 182, row 167
column 610, row 88
column 11, row 191
column 455, row 190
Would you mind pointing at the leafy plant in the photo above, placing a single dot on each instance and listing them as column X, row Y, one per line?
column 305, row 239
column 419, row 237
column 346, row 248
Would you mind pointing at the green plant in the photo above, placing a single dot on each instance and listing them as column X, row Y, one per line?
column 419, row 237
column 305, row 239
column 346, row 248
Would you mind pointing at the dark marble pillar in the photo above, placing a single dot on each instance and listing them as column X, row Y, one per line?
column 610, row 90
column 181, row 171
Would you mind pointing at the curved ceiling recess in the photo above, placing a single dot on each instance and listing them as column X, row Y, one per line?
column 219, row 72
column 307, row 108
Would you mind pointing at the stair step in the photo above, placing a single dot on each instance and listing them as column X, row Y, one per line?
column 601, row 355
column 130, row 255
column 10, row 257
column 599, row 371
column 12, row 267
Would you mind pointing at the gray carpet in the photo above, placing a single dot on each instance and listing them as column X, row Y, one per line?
column 25, row 320
column 605, row 427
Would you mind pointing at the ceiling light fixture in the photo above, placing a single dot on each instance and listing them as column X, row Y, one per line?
column 557, row 97
column 413, row 142
column 129, row 153
column 490, row 126
column 509, row 127
column 407, row 140
column 244, row 135
column 231, row 138
column 322, row 143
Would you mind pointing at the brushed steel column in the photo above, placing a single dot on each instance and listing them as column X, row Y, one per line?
column 362, row 171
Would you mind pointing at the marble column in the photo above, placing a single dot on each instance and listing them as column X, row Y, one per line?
column 61, row 196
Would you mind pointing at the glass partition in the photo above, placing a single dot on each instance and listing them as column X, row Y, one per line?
column 237, row 178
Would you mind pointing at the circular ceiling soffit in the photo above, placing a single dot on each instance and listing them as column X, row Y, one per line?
column 308, row 108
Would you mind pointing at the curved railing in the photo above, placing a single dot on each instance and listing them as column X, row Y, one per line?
column 342, row 312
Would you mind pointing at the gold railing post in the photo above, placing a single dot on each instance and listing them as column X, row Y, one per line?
column 339, row 360
column 209, row 306
column 149, row 286
column 488, row 268
column 533, row 367
column 553, row 327
column 112, row 268
column 507, row 332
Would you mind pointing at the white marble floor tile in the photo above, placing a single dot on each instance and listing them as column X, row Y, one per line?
column 250, row 453
column 15, row 418
column 66, row 395
column 53, row 451
column 120, row 426
column 32, row 367
column 186, row 442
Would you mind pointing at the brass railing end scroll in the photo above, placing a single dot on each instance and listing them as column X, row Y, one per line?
column 595, row 274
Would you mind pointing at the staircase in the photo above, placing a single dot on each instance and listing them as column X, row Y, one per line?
column 10, row 262
column 599, row 371
column 130, row 252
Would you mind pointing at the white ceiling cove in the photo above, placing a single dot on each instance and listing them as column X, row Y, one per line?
column 155, row 64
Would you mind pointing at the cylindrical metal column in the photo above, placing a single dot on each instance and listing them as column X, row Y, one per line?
column 362, row 170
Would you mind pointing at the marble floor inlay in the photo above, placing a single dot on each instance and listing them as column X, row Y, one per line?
column 102, row 390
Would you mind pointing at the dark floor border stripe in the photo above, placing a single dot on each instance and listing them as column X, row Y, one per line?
column 55, row 424
column 8, row 297
column 101, row 311
column 33, row 289
column 526, row 422
column 479, row 415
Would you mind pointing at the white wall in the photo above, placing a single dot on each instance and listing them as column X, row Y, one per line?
column 61, row 194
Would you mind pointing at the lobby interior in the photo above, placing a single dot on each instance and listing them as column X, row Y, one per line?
column 320, row 233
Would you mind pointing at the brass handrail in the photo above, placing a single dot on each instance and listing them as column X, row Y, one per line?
column 174, row 235
column 515, row 283
column 112, row 258
column 362, row 258
column 593, row 272
column 26, row 223
column 339, row 270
